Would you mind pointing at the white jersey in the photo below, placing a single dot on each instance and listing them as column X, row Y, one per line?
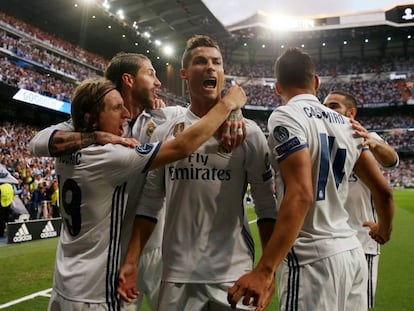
column 141, row 130
column 360, row 207
column 206, row 236
column 305, row 123
column 92, row 185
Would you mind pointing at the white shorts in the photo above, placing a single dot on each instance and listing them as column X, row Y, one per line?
column 149, row 279
column 372, row 261
column 59, row 303
column 196, row 297
column 338, row 282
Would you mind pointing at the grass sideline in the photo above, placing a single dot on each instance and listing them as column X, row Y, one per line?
column 28, row 267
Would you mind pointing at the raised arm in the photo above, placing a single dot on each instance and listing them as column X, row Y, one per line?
column 195, row 135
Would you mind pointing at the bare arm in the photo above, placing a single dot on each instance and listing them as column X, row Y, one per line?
column 368, row 171
column 60, row 139
column 383, row 153
column 297, row 177
column 194, row 136
column 68, row 142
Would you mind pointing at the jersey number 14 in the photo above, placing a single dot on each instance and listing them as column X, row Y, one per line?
column 327, row 163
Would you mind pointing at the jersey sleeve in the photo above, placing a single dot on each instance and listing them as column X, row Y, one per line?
column 168, row 113
column 39, row 145
column 259, row 173
column 380, row 139
column 286, row 135
column 153, row 194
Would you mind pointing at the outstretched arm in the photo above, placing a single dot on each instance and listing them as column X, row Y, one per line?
column 198, row 133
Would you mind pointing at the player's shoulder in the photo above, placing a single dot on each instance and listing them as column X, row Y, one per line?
column 252, row 126
column 376, row 136
column 64, row 126
column 285, row 112
column 162, row 130
column 254, row 134
column 168, row 112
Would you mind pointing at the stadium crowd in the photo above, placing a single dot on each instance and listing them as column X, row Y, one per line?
column 40, row 62
column 53, row 67
column 37, row 179
column 37, row 183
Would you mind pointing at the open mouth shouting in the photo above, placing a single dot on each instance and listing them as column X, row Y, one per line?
column 210, row 83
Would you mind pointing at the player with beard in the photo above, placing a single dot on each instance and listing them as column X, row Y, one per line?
column 135, row 78
column 93, row 183
column 207, row 243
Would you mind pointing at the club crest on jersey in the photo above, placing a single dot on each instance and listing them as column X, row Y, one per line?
column 144, row 148
column 280, row 133
column 178, row 128
column 150, row 128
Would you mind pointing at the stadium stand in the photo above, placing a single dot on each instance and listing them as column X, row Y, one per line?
column 33, row 60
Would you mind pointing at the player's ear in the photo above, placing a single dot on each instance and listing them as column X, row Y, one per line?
column 89, row 121
column 351, row 113
column 316, row 82
column 183, row 74
column 126, row 79
column 278, row 89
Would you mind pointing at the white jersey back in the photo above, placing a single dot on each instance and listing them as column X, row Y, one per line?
column 305, row 123
column 206, row 236
column 92, row 184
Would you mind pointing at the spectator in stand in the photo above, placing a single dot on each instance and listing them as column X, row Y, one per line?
column 6, row 199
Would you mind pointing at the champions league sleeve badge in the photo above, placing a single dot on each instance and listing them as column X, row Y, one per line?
column 280, row 134
column 144, row 149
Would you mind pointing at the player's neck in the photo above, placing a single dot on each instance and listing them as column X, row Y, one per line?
column 289, row 94
column 201, row 108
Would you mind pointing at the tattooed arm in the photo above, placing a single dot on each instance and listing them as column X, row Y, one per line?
column 67, row 142
column 61, row 139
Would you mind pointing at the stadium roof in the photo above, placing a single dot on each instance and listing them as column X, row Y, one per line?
column 150, row 26
column 226, row 13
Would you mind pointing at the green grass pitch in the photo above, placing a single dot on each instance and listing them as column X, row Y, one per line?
column 27, row 268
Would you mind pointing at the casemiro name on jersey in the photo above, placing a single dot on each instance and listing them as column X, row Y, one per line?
column 331, row 116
